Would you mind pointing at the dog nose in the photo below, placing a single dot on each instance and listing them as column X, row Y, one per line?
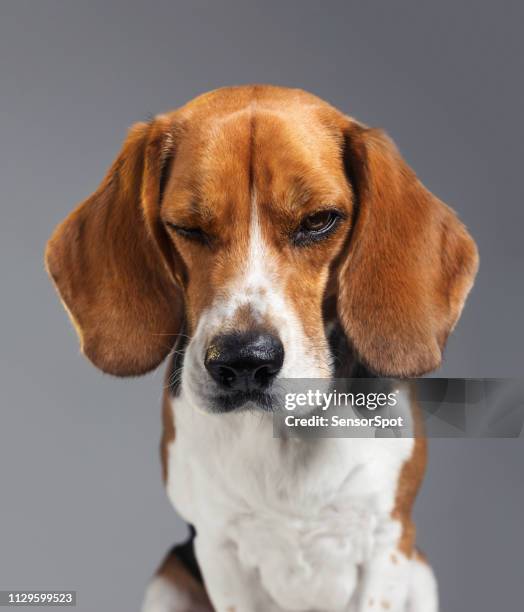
column 245, row 361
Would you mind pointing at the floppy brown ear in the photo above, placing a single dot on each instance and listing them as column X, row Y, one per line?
column 108, row 264
column 410, row 262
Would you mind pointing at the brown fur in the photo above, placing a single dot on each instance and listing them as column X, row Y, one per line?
column 168, row 430
column 108, row 267
column 410, row 479
column 410, row 266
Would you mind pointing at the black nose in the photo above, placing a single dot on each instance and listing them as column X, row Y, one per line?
column 245, row 361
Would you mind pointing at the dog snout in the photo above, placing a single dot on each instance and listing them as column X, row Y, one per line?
column 246, row 361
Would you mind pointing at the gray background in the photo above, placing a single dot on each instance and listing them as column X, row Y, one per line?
column 81, row 501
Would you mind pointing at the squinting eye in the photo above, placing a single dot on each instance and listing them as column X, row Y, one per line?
column 191, row 233
column 316, row 227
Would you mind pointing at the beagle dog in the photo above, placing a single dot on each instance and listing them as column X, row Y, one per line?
column 258, row 234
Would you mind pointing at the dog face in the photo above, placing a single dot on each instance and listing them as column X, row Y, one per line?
column 257, row 206
column 251, row 218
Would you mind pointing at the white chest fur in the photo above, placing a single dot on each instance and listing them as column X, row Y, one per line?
column 300, row 515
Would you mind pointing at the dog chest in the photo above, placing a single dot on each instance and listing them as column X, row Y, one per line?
column 301, row 513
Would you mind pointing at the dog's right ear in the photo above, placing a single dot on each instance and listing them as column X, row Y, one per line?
column 110, row 263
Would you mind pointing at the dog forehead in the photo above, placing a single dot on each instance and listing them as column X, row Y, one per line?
column 255, row 145
column 258, row 123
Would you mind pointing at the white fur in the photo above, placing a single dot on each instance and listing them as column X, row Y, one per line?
column 285, row 524
column 423, row 588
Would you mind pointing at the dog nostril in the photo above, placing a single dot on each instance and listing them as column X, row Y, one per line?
column 227, row 375
column 264, row 375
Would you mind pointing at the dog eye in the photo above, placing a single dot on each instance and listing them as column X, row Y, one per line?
column 191, row 233
column 316, row 227
column 319, row 222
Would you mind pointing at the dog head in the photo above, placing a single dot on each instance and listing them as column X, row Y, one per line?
column 250, row 220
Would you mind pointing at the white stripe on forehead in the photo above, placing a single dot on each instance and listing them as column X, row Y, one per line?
column 259, row 271
column 256, row 283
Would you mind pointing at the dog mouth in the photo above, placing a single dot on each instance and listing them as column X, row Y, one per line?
column 244, row 400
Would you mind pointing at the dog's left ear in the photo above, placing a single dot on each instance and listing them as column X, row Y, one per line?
column 409, row 265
